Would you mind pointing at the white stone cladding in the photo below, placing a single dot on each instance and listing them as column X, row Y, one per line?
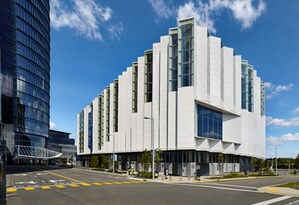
column 217, row 86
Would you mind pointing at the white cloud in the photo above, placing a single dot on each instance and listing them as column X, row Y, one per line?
column 292, row 122
column 86, row 17
column 272, row 140
column 201, row 13
column 296, row 110
column 162, row 8
column 52, row 125
column 276, row 90
column 245, row 12
column 116, row 30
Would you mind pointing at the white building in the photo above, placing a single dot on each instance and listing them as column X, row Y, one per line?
column 194, row 93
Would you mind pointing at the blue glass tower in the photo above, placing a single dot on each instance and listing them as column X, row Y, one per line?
column 25, row 72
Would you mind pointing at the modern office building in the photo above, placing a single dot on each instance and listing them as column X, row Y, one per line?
column 189, row 96
column 61, row 142
column 25, row 72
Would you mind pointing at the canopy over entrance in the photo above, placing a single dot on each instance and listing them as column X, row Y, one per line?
column 27, row 152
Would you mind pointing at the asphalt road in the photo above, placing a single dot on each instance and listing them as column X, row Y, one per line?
column 50, row 186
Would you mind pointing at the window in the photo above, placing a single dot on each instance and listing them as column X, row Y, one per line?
column 247, row 86
column 209, row 123
column 115, row 106
column 108, row 114
column 81, row 131
column 186, row 50
column 148, row 77
column 101, row 121
column 173, row 62
column 134, row 87
column 263, row 101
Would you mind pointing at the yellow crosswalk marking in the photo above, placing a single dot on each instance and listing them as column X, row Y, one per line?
column 85, row 184
column 11, row 190
column 74, row 185
column 96, row 183
column 107, row 183
column 60, row 186
column 29, row 188
column 45, row 187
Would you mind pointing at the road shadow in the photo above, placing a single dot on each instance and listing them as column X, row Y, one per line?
column 3, row 190
column 20, row 169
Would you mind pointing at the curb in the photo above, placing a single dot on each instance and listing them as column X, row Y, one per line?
column 285, row 191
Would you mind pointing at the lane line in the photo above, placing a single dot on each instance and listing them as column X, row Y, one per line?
column 98, row 184
column 59, row 175
column 107, row 183
column 215, row 187
column 60, row 186
column 271, row 201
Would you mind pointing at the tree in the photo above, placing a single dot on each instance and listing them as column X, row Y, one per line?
column 145, row 159
column 158, row 157
column 94, row 161
column 297, row 162
column 258, row 164
column 104, row 162
column 220, row 159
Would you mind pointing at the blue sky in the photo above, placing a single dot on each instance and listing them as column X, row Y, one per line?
column 87, row 36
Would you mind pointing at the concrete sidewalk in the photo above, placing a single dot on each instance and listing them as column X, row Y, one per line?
column 280, row 191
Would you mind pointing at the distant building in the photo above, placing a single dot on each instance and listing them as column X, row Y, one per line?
column 61, row 142
column 189, row 96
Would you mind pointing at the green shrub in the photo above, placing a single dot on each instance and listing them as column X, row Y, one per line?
column 144, row 175
column 234, row 175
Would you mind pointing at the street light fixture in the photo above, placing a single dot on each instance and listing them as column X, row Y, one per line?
column 153, row 150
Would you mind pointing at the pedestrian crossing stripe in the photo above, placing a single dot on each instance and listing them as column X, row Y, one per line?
column 29, row 188
column 45, row 187
column 85, row 184
column 11, row 190
column 74, row 185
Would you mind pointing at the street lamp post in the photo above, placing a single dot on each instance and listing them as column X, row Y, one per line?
column 276, row 159
column 153, row 150
column 113, row 169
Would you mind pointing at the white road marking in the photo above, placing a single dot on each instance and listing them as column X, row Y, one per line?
column 232, row 185
column 43, row 181
column 55, row 181
column 271, row 201
column 216, row 187
column 30, row 182
column 41, row 174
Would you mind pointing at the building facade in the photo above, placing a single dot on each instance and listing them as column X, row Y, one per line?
column 61, row 142
column 189, row 96
column 25, row 72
